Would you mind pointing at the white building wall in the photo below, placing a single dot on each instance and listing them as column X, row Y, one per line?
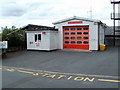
column 101, row 34
column 93, row 33
column 53, row 40
column 93, row 36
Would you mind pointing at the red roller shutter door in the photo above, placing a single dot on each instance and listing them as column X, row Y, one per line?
column 76, row 37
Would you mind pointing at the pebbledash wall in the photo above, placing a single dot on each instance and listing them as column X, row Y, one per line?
column 89, row 35
column 96, row 30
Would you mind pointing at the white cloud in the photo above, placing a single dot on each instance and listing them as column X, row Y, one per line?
column 44, row 12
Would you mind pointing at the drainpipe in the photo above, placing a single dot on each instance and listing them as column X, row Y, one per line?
column 98, row 36
column 114, row 25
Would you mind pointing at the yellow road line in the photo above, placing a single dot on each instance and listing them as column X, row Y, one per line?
column 103, row 76
column 107, row 80
column 20, row 70
column 25, row 72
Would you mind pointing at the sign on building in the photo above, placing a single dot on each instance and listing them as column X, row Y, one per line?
column 3, row 44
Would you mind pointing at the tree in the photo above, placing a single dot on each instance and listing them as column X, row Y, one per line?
column 14, row 36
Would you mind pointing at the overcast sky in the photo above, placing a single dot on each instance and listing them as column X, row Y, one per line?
column 44, row 12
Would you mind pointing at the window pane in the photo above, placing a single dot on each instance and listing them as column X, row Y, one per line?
column 85, row 28
column 85, row 33
column 85, row 42
column 66, row 41
column 79, row 33
column 66, row 33
column 73, row 33
column 66, row 29
column 85, row 37
column 72, row 28
column 35, row 37
column 79, row 28
column 79, row 42
column 72, row 37
column 39, row 36
column 79, row 37
column 66, row 37
column 72, row 41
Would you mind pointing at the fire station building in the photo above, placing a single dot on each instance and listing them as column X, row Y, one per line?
column 70, row 33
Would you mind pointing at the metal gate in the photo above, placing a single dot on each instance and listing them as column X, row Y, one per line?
column 76, row 37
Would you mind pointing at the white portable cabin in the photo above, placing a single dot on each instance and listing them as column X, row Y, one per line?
column 41, row 37
column 80, row 33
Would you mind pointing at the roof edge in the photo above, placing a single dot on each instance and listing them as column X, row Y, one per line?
column 77, row 18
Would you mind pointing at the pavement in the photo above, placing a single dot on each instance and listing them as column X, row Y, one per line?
column 61, row 69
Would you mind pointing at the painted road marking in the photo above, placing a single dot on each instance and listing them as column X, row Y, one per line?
column 25, row 72
column 67, row 76
column 107, row 80
column 103, row 76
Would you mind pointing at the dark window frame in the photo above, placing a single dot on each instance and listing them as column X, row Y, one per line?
column 85, row 37
column 85, row 28
column 80, row 42
column 39, row 37
column 66, row 29
column 85, row 33
column 86, row 42
column 72, row 42
column 79, row 33
column 66, row 42
column 79, row 28
column 72, row 37
column 73, row 29
column 72, row 33
column 79, row 37
column 36, row 36
column 66, row 37
column 66, row 33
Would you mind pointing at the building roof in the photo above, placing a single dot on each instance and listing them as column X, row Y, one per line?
column 77, row 18
column 31, row 27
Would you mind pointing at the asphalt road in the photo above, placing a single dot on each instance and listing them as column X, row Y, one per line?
column 61, row 69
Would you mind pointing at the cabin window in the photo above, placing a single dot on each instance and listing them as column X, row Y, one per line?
column 35, row 37
column 39, row 36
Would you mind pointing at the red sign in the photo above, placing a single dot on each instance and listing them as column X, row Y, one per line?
column 43, row 32
column 37, row 44
column 75, row 22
